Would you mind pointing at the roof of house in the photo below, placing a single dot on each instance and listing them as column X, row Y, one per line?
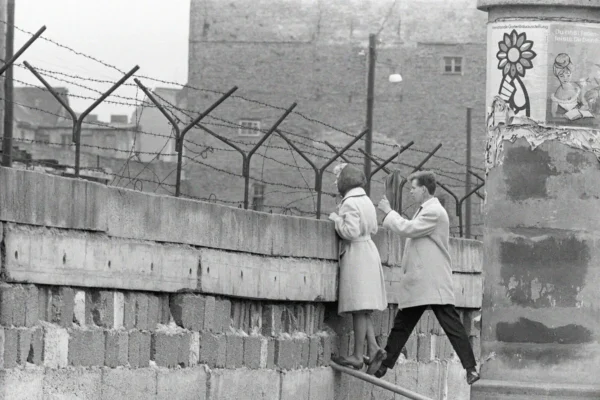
column 39, row 107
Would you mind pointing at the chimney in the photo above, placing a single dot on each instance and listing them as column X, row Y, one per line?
column 118, row 119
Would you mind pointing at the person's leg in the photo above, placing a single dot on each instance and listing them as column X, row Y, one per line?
column 451, row 324
column 360, row 334
column 372, row 345
column 404, row 323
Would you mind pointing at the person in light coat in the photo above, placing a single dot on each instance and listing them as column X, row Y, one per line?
column 427, row 276
column 361, row 280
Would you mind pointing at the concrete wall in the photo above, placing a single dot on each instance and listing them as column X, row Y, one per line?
column 113, row 293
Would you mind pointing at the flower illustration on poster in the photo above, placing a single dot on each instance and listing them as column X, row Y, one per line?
column 515, row 57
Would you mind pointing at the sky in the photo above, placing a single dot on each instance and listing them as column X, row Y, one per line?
column 122, row 33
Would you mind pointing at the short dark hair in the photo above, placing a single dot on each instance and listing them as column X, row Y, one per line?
column 350, row 178
column 424, row 178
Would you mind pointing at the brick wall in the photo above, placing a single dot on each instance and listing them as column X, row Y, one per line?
column 113, row 293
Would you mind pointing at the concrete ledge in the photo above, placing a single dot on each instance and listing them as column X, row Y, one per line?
column 235, row 384
column 159, row 218
column 493, row 389
column 53, row 257
column 35, row 198
column 468, row 288
column 246, row 275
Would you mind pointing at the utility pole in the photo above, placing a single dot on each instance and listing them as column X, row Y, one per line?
column 8, row 86
column 370, row 103
column 468, row 174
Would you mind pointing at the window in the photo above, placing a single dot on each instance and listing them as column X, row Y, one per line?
column 249, row 127
column 258, row 196
column 66, row 140
column 453, row 65
column 42, row 138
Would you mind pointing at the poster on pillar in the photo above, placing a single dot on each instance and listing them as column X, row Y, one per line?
column 544, row 72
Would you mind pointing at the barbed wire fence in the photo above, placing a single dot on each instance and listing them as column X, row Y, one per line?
column 154, row 175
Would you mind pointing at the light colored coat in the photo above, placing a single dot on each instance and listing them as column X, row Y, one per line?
column 426, row 262
column 361, row 281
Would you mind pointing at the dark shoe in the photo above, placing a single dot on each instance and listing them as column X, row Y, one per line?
column 346, row 362
column 472, row 376
column 380, row 355
column 381, row 371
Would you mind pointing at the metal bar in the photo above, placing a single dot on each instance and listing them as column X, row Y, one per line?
column 206, row 112
column 482, row 197
column 370, row 106
column 308, row 160
column 239, row 150
column 327, row 164
column 460, row 205
column 457, row 209
column 379, row 382
column 468, row 183
column 248, row 158
column 7, row 140
column 418, row 167
column 332, row 147
column 14, row 58
column 89, row 110
column 390, row 159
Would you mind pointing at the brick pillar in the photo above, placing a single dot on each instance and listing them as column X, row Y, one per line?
column 541, row 310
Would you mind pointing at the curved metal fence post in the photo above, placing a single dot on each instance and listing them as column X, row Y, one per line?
column 418, row 167
column 12, row 60
column 319, row 182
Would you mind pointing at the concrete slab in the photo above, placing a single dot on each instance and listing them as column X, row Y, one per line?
column 321, row 384
column 181, row 384
column 72, row 384
column 46, row 256
column 123, row 383
column 244, row 384
column 468, row 288
column 30, row 198
column 21, row 384
column 295, row 385
column 246, row 275
column 466, row 255
column 147, row 216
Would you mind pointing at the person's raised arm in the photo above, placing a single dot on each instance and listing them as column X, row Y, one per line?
column 423, row 225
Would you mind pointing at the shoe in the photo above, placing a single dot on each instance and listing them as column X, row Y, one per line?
column 345, row 362
column 472, row 376
column 381, row 371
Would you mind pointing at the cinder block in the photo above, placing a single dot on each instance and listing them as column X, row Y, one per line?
column 129, row 310
column 270, row 354
column 300, row 318
column 104, row 309
column 213, row 350
column 424, row 352
column 185, row 348
column 233, row 384
column 382, row 340
column 141, row 311
column 61, row 306
column 295, row 385
column 117, row 348
column 19, row 305
column 325, row 350
column 6, row 304
column 11, row 347
column 140, row 344
column 411, row 347
column 165, row 349
column 72, row 383
column 194, row 356
column 235, row 351
column 165, row 311
column 119, row 310
column 434, row 326
column 253, row 352
column 86, row 347
column 255, row 317
column 56, row 346
column 240, row 315
column 210, row 314
column 21, row 384
column 188, row 311
column 309, row 327
column 181, row 384
column 476, row 345
column 472, row 322
column 23, row 345
column 154, row 311
column 443, row 347
column 346, row 345
column 36, row 349
column 423, row 323
column 304, row 347
column 31, row 305
column 271, row 319
column 289, row 319
column 79, row 308
column 130, row 384
column 313, row 349
column 222, row 315
column 322, row 384
column 377, row 317
column 285, row 353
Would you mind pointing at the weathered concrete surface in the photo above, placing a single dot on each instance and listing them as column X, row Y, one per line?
column 295, row 385
column 497, row 390
column 242, row 383
column 169, row 219
column 321, row 385
column 542, row 266
column 131, row 384
column 43, row 256
column 21, row 384
column 35, row 198
column 72, row 383
column 181, row 384
column 246, row 275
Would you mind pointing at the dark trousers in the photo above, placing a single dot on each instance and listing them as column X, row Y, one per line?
column 406, row 320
